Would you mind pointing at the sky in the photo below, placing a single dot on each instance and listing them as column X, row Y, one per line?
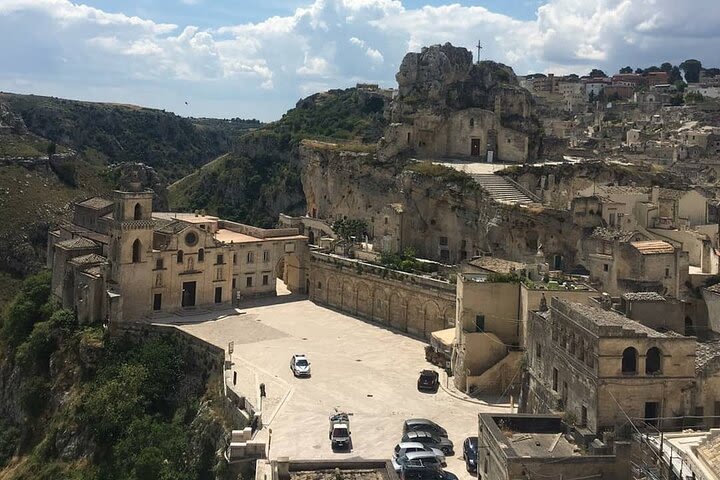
column 257, row 58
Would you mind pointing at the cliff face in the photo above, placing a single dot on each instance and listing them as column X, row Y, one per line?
column 360, row 186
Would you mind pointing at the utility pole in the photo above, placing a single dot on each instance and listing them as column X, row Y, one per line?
column 479, row 47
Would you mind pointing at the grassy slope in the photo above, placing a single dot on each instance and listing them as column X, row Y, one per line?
column 261, row 177
column 112, row 133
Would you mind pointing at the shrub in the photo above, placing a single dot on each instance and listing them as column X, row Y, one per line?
column 29, row 306
column 9, row 438
column 35, row 352
column 34, row 394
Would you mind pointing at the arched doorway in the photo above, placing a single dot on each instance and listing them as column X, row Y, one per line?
column 311, row 238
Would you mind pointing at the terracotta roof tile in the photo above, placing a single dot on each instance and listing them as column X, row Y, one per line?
column 653, row 247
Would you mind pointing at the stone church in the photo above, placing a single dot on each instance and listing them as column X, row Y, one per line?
column 120, row 261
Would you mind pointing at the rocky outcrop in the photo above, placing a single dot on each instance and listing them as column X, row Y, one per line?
column 446, row 102
column 130, row 176
column 361, row 186
column 10, row 122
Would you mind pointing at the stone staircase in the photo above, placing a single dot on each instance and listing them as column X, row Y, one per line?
column 503, row 190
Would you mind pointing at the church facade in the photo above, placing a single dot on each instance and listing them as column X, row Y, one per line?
column 120, row 261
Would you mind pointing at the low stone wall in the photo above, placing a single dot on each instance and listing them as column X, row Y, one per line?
column 206, row 358
column 410, row 303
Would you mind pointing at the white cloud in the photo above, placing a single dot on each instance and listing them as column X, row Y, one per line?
column 334, row 43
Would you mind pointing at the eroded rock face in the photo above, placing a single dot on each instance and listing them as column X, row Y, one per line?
column 448, row 106
column 131, row 176
column 444, row 77
column 361, row 186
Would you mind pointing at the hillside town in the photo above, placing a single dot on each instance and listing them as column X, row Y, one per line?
column 520, row 279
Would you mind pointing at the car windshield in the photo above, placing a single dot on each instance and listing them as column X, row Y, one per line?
column 340, row 432
column 473, row 444
column 302, row 362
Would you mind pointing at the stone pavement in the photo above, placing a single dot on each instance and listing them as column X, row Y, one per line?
column 357, row 367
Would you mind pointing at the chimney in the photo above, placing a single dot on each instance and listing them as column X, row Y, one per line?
column 655, row 194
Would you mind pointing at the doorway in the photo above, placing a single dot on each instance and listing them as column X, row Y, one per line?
column 188, row 294
column 475, row 147
column 652, row 412
column 157, row 301
column 218, row 294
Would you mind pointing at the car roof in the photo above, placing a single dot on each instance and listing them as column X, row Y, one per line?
column 420, row 434
column 299, row 355
column 410, row 445
column 428, row 372
column 416, row 421
column 423, row 454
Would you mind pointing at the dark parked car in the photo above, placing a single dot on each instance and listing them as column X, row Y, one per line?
column 412, row 472
column 416, row 424
column 470, row 451
column 431, row 440
column 429, row 380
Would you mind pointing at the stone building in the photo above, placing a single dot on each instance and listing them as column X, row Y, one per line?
column 490, row 328
column 537, row 447
column 120, row 261
column 626, row 261
column 602, row 368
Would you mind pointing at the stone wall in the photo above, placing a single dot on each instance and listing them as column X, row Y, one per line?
column 406, row 302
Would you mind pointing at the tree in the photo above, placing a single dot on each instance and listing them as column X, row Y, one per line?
column 652, row 69
column 597, row 73
column 639, row 70
column 680, row 86
column 691, row 68
column 346, row 228
column 694, row 97
column 675, row 75
column 666, row 67
column 627, row 69
column 51, row 149
column 592, row 96
column 488, row 218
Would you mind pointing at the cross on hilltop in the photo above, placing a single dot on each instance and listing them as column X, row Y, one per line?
column 479, row 47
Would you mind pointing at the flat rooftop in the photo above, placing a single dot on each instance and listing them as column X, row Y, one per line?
column 228, row 236
column 186, row 217
column 541, row 445
column 530, row 436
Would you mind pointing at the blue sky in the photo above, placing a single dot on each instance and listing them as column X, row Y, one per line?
column 256, row 58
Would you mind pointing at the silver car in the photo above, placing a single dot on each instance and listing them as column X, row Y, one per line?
column 300, row 365
column 416, row 459
column 408, row 447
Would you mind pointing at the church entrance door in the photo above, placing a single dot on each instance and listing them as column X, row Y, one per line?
column 188, row 294
column 475, row 147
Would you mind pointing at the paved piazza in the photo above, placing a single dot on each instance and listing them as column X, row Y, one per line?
column 357, row 367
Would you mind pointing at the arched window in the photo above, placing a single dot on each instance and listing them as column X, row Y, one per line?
column 138, row 212
column 689, row 328
column 201, row 255
column 472, row 122
column 629, row 360
column 136, row 248
column 180, row 256
column 653, row 361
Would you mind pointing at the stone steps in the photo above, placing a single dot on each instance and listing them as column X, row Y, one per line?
column 501, row 190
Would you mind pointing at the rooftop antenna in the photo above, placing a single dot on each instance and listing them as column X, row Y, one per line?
column 479, row 47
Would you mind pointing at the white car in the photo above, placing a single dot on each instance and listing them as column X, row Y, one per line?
column 300, row 365
column 417, row 459
column 404, row 448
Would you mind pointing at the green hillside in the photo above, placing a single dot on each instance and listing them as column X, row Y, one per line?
column 112, row 133
column 261, row 176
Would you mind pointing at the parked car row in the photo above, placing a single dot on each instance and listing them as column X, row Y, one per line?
column 421, row 453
